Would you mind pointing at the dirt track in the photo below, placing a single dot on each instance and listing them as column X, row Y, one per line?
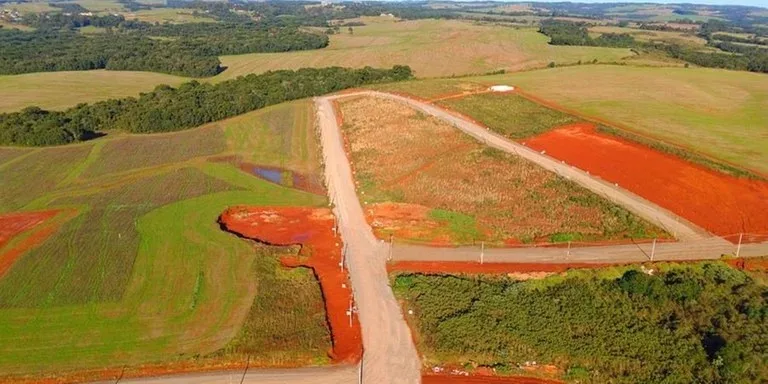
column 331, row 375
column 390, row 356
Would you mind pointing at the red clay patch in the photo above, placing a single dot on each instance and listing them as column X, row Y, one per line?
column 722, row 204
column 312, row 228
column 14, row 224
column 449, row 267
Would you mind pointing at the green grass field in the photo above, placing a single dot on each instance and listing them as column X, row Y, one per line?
column 167, row 15
column 60, row 90
column 715, row 112
column 511, row 115
column 431, row 47
column 143, row 273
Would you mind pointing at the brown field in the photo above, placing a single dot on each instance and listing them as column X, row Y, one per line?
column 459, row 191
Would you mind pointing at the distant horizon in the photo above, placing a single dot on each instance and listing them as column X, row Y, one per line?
column 746, row 3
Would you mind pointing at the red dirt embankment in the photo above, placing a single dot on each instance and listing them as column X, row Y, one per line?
column 722, row 204
column 13, row 224
column 449, row 267
column 312, row 228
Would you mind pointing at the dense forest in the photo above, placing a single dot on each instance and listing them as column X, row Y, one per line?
column 702, row 323
column 191, row 104
column 185, row 49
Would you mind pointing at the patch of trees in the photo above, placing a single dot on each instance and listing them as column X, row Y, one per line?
column 738, row 39
column 67, row 20
column 569, row 33
column 192, row 104
column 46, row 51
column 190, row 50
column 703, row 323
column 69, row 7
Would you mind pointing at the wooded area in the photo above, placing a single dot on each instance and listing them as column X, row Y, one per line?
column 190, row 105
column 185, row 49
column 704, row 323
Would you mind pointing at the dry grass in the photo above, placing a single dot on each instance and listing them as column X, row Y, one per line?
column 648, row 36
column 431, row 47
column 60, row 90
column 479, row 193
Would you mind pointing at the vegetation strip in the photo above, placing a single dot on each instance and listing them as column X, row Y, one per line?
column 192, row 104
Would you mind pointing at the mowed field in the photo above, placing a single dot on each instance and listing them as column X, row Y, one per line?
column 714, row 112
column 142, row 272
column 423, row 180
column 431, row 47
column 61, row 90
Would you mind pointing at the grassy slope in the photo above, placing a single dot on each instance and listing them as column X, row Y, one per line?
column 59, row 90
column 431, row 47
column 718, row 113
column 186, row 288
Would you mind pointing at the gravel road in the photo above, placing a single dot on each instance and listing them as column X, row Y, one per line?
column 389, row 353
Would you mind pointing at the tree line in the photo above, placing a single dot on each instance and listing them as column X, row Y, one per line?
column 733, row 56
column 192, row 104
column 570, row 33
column 703, row 323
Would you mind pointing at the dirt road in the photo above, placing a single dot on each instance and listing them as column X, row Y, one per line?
column 331, row 375
column 711, row 248
column 389, row 353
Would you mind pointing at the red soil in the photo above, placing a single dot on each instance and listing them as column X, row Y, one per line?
column 312, row 228
column 552, row 105
column 14, row 224
column 720, row 203
column 449, row 267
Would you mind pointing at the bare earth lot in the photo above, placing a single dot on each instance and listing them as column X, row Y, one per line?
column 447, row 188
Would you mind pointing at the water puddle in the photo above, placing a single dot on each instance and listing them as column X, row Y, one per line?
column 277, row 175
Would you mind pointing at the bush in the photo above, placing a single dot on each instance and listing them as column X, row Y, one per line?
column 687, row 323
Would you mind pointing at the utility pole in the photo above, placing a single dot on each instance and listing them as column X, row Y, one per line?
column 482, row 251
column 391, row 244
column 653, row 249
column 738, row 247
column 568, row 252
column 343, row 255
column 349, row 313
